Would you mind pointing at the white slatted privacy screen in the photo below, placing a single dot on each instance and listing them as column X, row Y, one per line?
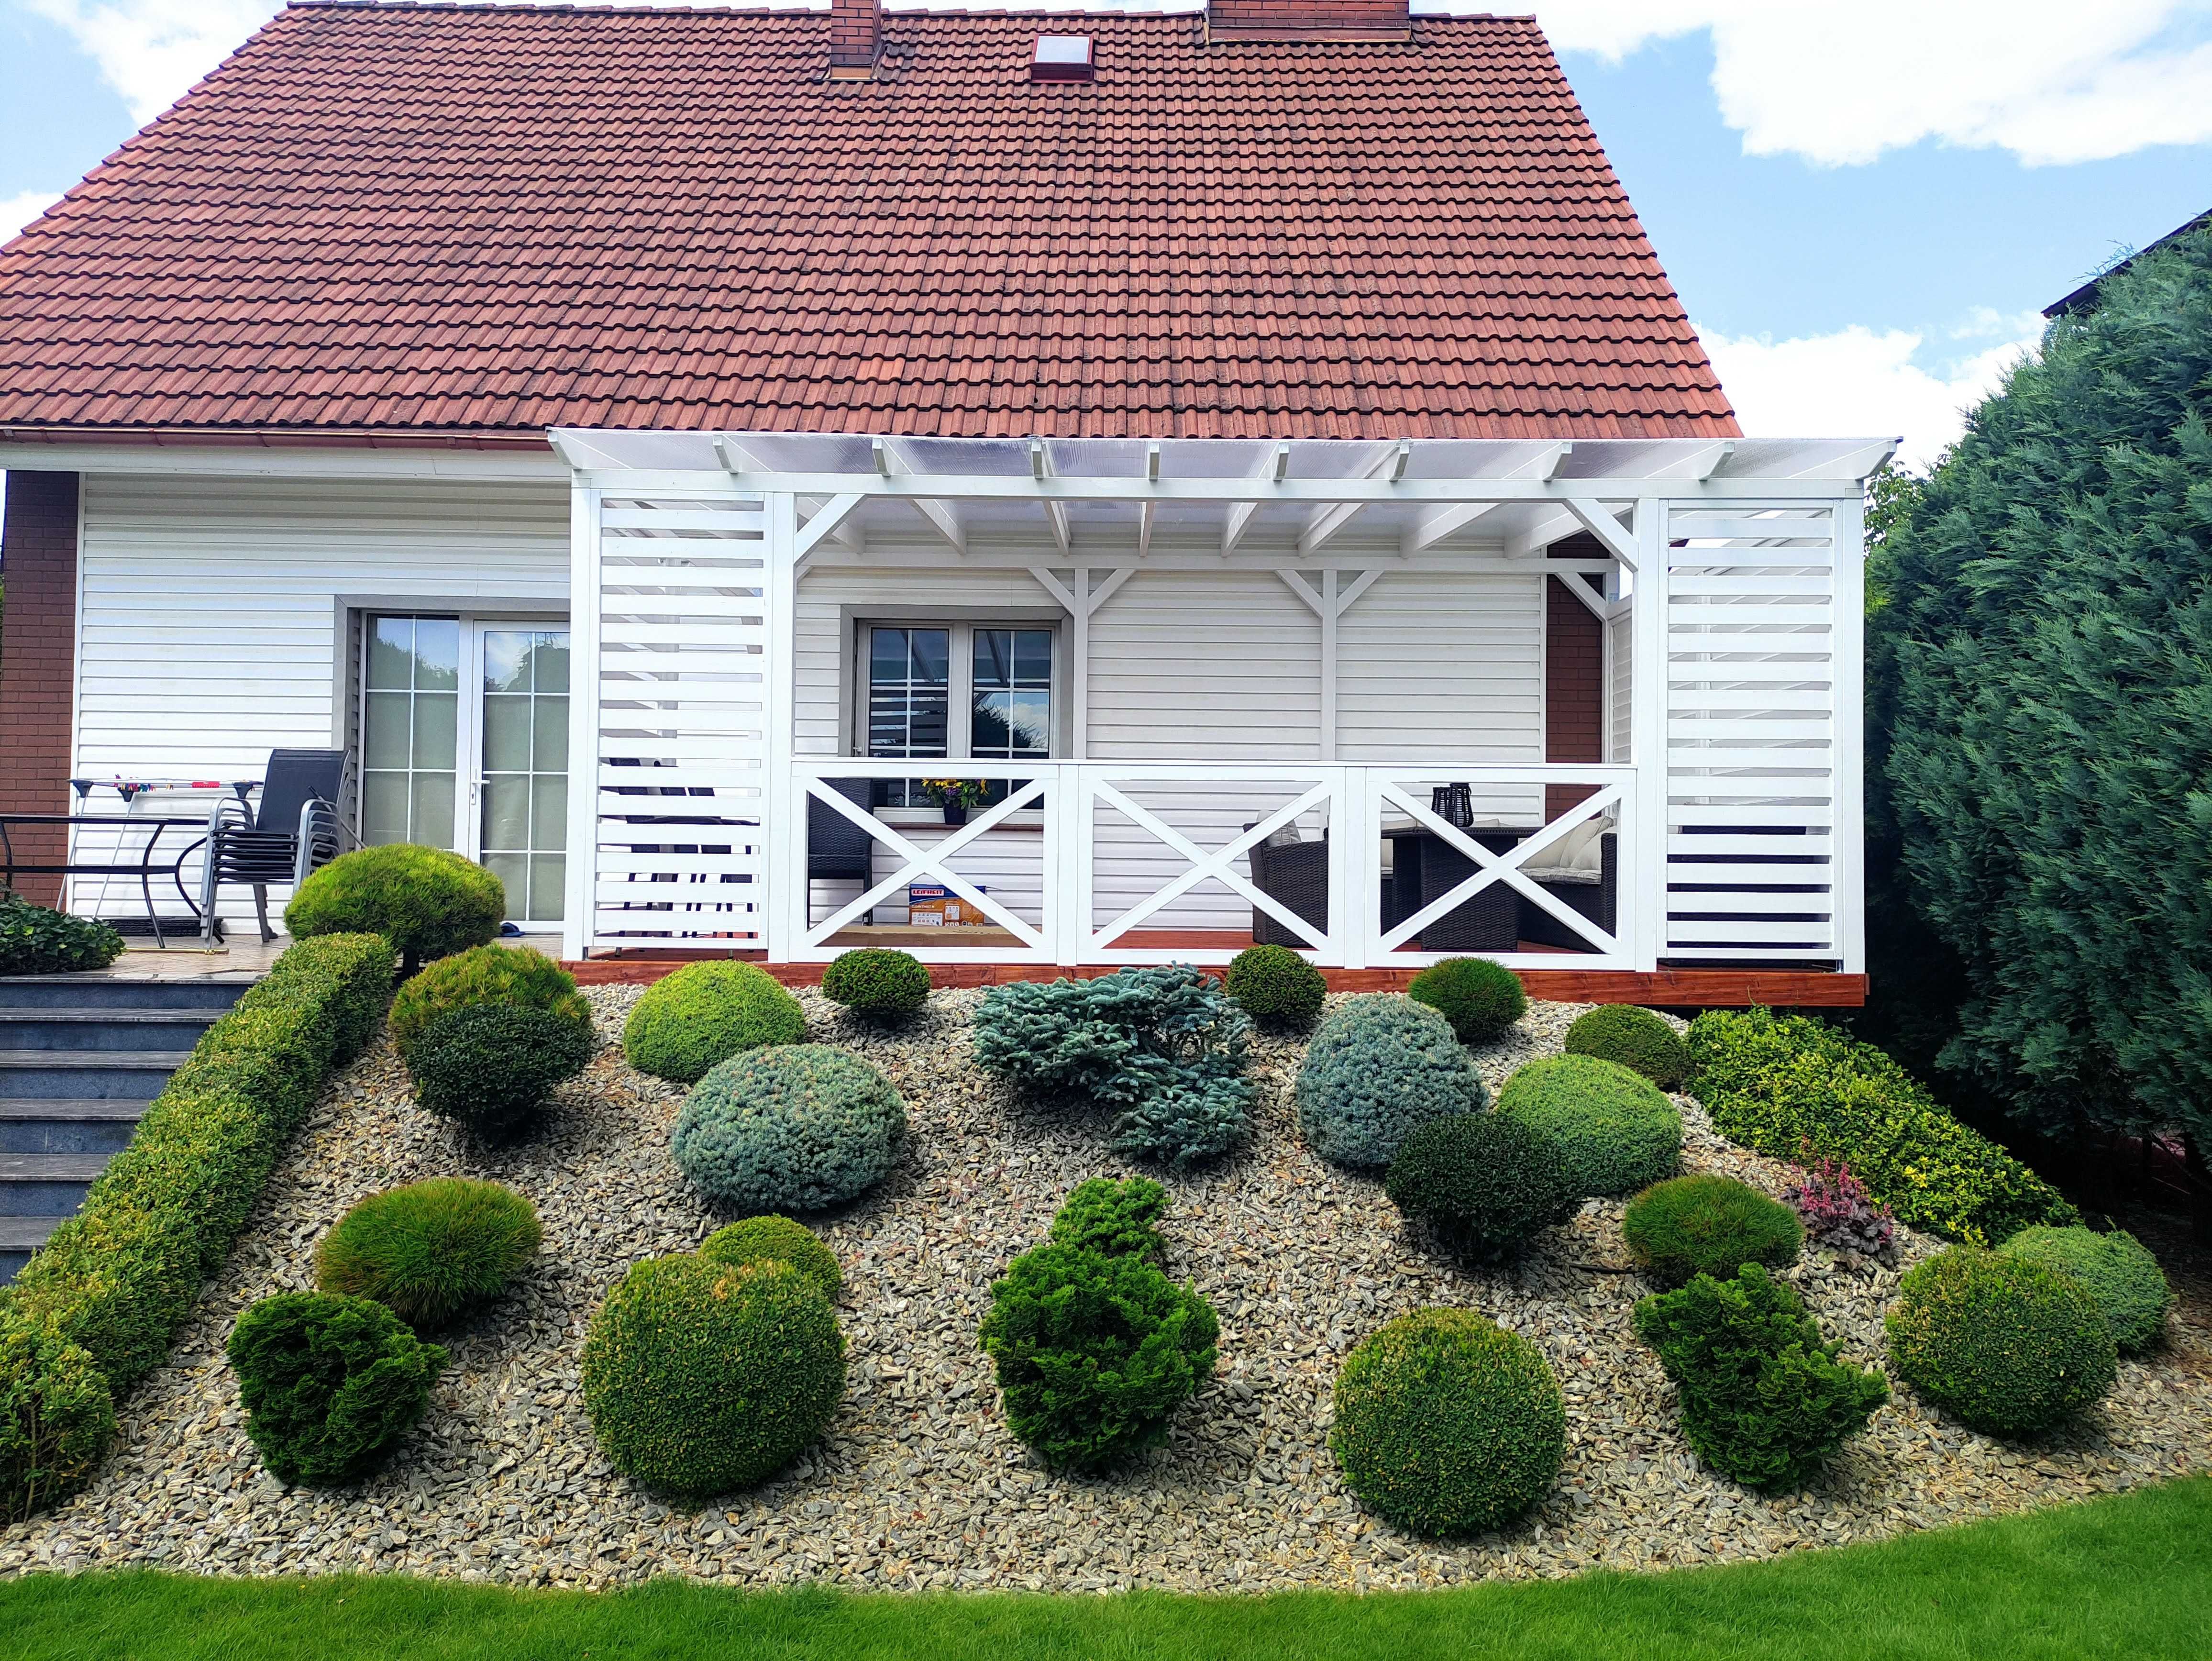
column 680, row 650
column 1753, row 767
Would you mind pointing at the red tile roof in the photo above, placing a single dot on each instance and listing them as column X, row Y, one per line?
column 381, row 217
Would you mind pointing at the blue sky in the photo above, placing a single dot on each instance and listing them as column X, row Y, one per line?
column 1863, row 205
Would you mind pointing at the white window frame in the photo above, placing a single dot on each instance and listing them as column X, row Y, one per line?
column 960, row 680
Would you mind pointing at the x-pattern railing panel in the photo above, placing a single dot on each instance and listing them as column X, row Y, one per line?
column 1490, row 868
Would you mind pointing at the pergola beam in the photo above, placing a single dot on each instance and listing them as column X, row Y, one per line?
column 891, row 464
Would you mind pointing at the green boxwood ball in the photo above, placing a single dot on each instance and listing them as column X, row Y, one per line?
column 1479, row 998
column 1616, row 1130
column 432, row 1251
column 872, row 981
column 2004, row 1345
column 1483, row 1182
column 1276, row 987
column 2119, row 1271
column 1448, row 1425
column 1377, row 1066
column 329, row 1383
column 793, row 1128
column 516, row 974
column 702, row 1377
column 706, row 1013
column 489, row 1067
column 1636, row 1038
column 1708, row 1225
column 773, row 1239
column 426, row 901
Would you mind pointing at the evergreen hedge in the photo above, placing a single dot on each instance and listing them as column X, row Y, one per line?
column 2040, row 738
column 116, row 1280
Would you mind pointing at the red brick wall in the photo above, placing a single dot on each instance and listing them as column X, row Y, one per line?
column 38, row 661
column 1574, row 689
column 1281, row 19
column 855, row 32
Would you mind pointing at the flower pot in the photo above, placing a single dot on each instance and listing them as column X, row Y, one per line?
column 955, row 813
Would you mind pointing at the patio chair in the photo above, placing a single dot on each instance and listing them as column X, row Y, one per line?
column 838, row 850
column 1296, row 874
column 1584, row 871
column 294, row 829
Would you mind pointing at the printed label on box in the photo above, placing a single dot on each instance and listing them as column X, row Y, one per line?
column 933, row 905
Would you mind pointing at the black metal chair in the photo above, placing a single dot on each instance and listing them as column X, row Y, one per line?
column 294, row 829
column 838, row 850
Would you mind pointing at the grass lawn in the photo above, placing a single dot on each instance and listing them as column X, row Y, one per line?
column 2125, row 1577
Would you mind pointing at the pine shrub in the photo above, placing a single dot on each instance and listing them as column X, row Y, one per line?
column 1377, row 1066
column 1480, row 999
column 426, row 901
column 330, row 1384
column 773, row 1239
column 1095, row 1351
column 884, row 985
column 514, row 975
column 431, row 1252
column 2003, row 1344
column 1481, row 1183
column 706, row 1013
column 1276, row 987
column 1791, row 1087
column 2121, row 1275
column 790, row 1128
column 1705, row 1224
column 1763, row 1401
column 1636, row 1038
column 1448, row 1425
column 702, row 1377
column 489, row 1067
column 1116, row 1218
column 37, row 940
column 56, row 1417
column 1166, row 1048
column 1615, row 1129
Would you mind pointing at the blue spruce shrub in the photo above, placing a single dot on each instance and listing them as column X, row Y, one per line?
column 1166, row 1047
column 789, row 1128
column 1378, row 1067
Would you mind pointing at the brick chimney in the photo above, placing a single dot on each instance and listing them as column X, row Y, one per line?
column 856, row 37
column 1309, row 19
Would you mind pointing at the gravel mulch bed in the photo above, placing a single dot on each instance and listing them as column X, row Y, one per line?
column 918, row 1483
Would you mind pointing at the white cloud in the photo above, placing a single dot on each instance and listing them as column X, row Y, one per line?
column 17, row 211
column 2049, row 80
column 151, row 51
column 1858, row 384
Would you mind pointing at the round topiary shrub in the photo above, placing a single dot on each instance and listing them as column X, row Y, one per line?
column 488, row 1067
column 329, row 1383
column 793, row 1128
column 777, row 1240
column 1615, row 1129
column 2003, row 1344
column 1095, row 1351
column 701, row 1377
column 516, row 975
column 706, row 1013
column 1636, row 1038
column 1448, row 1425
column 57, row 1415
column 426, row 901
column 34, row 941
column 2122, row 1276
column 1377, row 1066
column 431, row 1252
column 1479, row 998
column 886, row 986
column 1482, row 1184
column 1276, row 987
column 1708, row 1225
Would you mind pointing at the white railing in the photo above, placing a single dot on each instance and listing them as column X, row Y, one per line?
column 1137, row 862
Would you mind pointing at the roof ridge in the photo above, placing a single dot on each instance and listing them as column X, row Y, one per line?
column 820, row 8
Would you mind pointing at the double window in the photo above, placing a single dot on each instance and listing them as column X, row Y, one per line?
column 955, row 691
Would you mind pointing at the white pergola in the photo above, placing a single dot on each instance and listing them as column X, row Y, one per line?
column 1736, row 561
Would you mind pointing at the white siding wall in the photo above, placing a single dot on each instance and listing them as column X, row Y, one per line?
column 207, row 636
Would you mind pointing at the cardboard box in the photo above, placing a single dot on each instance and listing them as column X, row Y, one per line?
column 933, row 905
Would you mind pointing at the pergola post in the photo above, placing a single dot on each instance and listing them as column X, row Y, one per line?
column 582, row 886
column 783, row 809
column 1643, row 892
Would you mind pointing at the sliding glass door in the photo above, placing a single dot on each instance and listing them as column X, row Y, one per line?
column 464, row 745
